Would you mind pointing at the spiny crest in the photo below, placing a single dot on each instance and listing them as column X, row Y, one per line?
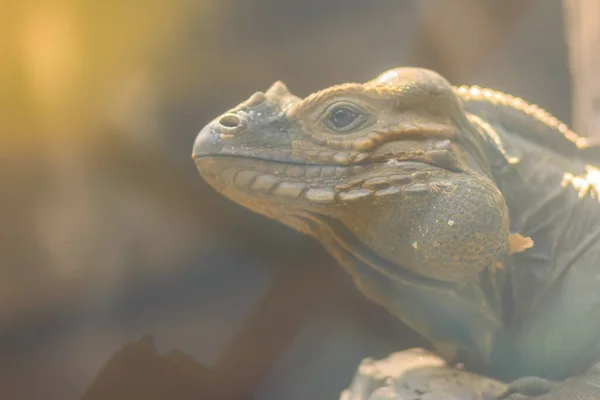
column 342, row 89
column 476, row 93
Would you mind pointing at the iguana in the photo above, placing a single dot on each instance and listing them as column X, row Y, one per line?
column 468, row 213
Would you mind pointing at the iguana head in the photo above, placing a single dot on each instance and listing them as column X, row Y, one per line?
column 393, row 163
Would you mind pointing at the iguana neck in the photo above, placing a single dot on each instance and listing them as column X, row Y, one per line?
column 460, row 318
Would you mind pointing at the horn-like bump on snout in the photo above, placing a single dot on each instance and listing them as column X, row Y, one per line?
column 277, row 89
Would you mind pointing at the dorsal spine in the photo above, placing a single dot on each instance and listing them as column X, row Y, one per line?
column 477, row 93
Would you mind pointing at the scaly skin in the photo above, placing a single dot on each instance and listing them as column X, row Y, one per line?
column 413, row 186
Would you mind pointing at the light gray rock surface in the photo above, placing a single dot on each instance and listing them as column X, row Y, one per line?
column 417, row 374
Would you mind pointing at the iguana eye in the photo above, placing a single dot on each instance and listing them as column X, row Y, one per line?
column 343, row 118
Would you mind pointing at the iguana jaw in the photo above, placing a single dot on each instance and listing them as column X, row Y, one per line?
column 306, row 185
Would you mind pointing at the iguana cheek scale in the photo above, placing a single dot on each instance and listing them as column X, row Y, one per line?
column 433, row 197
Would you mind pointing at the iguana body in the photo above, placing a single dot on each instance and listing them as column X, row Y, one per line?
column 423, row 192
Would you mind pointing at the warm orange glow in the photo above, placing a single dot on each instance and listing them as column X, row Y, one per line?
column 51, row 54
column 73, row 68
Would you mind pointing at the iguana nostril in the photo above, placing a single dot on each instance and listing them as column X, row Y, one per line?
column 230, row 121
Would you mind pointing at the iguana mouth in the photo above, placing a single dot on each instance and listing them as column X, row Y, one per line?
column 370, row 161
column 323, row 183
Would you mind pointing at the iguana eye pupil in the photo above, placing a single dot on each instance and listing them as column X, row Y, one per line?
column 342, row 117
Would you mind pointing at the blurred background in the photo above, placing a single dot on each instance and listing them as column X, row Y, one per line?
column 109, row 234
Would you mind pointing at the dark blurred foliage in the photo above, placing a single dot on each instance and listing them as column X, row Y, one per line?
column 108, row 231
